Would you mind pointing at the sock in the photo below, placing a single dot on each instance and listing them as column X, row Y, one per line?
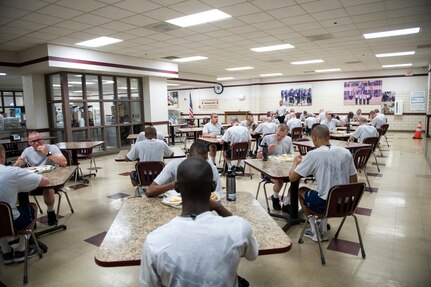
column 286, row 200
column 229, row 164
column 21, row 244
column 50, row 208
column 312, row 220
column 323, row 225
column 240, row 162
column 275, row 195
column 5, row 247
column 213, row 159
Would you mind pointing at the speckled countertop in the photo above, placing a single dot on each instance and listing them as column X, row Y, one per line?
column 273, row 167
column 139, row 216
column 59, row 175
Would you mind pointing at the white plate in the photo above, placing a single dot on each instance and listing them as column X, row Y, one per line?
column 41, row 169
column 284, row 157
column 174, row 201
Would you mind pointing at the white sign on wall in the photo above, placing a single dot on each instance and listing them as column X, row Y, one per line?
column 417, row 101
column 209, row 104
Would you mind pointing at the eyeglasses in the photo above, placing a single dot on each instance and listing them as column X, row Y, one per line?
column 36, row 141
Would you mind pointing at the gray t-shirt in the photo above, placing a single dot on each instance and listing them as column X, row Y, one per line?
column 266, row 128
column 294, row 123
column 236, row 134
column 169, row 174
column 150, row 150
column 365, row 131
column 330, row 165
column 14, row 180
column 379, row 120
column 210, row 128
column 331, row 125
column 283, row 147
column 280, row 110
column 36, row 158
column 310, row 121
column 142, row 137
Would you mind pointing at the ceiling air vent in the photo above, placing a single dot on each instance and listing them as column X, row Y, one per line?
column 352, row 62
column 162, row 27
column 320, row 37
column 424, row 46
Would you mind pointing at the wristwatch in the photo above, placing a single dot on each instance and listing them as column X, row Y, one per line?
column 49, row 154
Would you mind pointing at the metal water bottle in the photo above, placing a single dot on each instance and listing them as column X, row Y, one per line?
column 265, row 152
column 230, row 186
column 348, row 126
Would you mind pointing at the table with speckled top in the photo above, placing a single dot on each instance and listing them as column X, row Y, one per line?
column 122, row 245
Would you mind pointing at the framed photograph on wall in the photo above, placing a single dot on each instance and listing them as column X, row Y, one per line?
column 365, row 92
column 388, row 102
column 173, row 100
column 302, row 96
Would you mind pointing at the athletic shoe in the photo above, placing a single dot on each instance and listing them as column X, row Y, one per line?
column 286, row 208
column 275, row 203
column 20, row 255
column 52, row 218
column 309, row 234
column 8, row 258
column 239, row 169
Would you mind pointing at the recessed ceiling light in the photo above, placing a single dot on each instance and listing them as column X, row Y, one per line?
column 173, row 84
column 328, row 70
column 392, row 33
column 397, row 65
column 271, row 75
column 272, row 48
column 190, row 59
column 240, row 68
column 199, row 18
column 395, row 54
column 99, row 42
column 2, row 74
column 307, row 62
column 225, row 78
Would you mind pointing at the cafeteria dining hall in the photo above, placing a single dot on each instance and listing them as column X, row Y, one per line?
column 215, row 143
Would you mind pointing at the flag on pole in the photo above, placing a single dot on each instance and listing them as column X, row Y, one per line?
column 191, row 116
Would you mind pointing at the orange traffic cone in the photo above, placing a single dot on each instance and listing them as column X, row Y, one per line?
column 418, row 132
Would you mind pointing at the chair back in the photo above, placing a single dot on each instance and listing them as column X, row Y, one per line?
column 68, row 156
column 296, row 133
column 239, row 150
column 6, row 220
column 380, row 131
column 205, row 120
column 314, row 125
column 373, row 141
column 303, row 150
column 148, row 171
column 384, row 128
column 190, row 122
column 85, row 152
column 298, row 115
column 344, row 199
column 361, row 157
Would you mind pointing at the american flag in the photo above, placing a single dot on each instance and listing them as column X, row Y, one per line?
column 190, row 107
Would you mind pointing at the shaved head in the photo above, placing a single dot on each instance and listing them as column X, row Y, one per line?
column 320, row 132
column 195, row 180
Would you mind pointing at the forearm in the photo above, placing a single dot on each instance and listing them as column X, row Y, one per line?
column 155, row 189
column 58, row 159
column 221, row 210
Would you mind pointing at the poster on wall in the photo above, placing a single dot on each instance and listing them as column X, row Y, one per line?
column 173, row 100
column 388, row 102
column 366, row 92
column 417, row 101
column 297, row 96
column 209, row 104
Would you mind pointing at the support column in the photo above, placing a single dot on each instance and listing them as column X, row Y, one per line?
column 36, row 110
column 156, row 103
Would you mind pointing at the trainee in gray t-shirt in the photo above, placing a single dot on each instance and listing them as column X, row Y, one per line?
column 150, row 150
column 212, row 129
column 36, row 158
column 283, row 147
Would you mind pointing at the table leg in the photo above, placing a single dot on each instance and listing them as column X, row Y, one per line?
column 172, row 131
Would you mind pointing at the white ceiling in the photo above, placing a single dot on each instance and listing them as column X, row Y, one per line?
column 27, row 23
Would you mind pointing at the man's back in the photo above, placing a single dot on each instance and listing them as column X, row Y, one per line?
column 365, row 131
column 310, row 121
column 266, row 128
column 236, row 134
column 204, row 251
column 150, row 150
column 294, row 123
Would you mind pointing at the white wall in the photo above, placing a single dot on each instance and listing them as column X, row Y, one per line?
column 326, row 94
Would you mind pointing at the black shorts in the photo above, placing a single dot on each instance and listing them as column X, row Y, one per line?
column 26, row 216
column 313, row 201
column 281, row 119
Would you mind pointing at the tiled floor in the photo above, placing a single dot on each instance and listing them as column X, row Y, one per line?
column 395, row 224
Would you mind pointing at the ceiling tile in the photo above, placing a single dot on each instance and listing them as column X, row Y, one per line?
column 397, row 4
column 242, row 29
column 330, row 14
column 241, row 9
column 91, row 19
column 287, row 12
column 322, row 5
column 256, row 18
column 190, row 7
column 60, row 11
column 21, row 24
column 410, row 11
column 118, row 26
column 163, row 14
column 339, row 22
column 306, row 26
column 72, row 25
column 297, row 20
column 269, row 25
column 29, row 5
column 229, row 23
column 113, row 13
column 139, row 20
column 100, row 31
column 141, row 32
column 365, row 9
column 137, row 6
column 42, row 19
column 273, row 4
column 82, row 5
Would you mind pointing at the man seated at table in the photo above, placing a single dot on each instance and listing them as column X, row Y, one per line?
column 378, row 119
column 212, row 129
column 330, row 122
column 266, row 127
column 293, row 123
column 249, row 123
column 150, row 149
column 12, row 181
column 308, row 123
column 278, row 144
column 303, row 116
column 235, row 134
column 165, row 181
column 141, row 136
column 364, row 131
column 357, row 115
column 197, row 248
column 348, row 119
column 38, row 154
column 331, row 166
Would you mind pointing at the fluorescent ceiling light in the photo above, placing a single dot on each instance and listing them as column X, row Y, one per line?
column 272, row 48
column 199, row 18
column 392, row 33
column 271, row 75
column 328, row 70
column 395, row 54
column 190, row 59
column 99, row 42
column 307, row 62
column 225, row 78
column 2, row 74
column 240, row 68
column 397, row 65
column 75, row 83
column 107, row 82
column 173, row 84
